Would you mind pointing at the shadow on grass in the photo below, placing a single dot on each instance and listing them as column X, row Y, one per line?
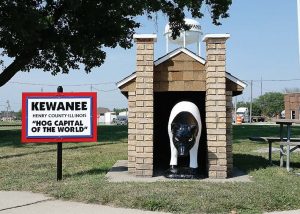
column 12, row 137
column 95, row 171
column 53, row 150
column 295, row 165
column 112, row 133
column 249, row 163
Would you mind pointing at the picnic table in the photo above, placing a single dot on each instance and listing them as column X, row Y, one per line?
column 285, row 142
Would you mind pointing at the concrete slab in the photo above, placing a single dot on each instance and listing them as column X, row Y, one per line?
column 31, row 203
column 64, row 207
column 284, row 212
column 119, row 173
column 17, row 199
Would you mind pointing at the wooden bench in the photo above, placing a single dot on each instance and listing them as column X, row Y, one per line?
column 282, row 142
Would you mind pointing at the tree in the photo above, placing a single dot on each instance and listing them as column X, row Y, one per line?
column 118, row 110
column 19, row 115
column 256, row 109
column 271, row 103
column 243, row 104
column 58, row 35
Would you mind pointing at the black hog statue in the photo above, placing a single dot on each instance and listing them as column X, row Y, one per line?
column 184, row 129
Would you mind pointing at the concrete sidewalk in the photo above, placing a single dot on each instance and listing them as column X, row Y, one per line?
column 33, row 203
column 119, row 173
column 285, row 212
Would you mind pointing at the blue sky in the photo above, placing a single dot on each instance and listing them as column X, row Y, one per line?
column 263, row 44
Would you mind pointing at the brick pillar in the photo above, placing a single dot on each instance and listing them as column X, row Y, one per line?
column 144, row 105
column 229, row 109
column 131, row 132
column 218, row 129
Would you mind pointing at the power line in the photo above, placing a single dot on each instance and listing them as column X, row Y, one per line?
column 72, row 85
column 271, row 80
column 108, row 83
column 100, row 90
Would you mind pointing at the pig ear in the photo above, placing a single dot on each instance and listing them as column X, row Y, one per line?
column 194, row 129
column 174, row 127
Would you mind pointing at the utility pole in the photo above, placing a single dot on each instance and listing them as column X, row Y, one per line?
column 251, row 101
column 298, row 12
column 7, row 109
column 91, row 88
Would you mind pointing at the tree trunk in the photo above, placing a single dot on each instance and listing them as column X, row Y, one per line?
column 18, row 64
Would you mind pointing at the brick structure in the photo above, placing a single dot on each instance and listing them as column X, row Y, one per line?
column 218, row 129
column 140, row 120
column 180, row 74
column 292, row 106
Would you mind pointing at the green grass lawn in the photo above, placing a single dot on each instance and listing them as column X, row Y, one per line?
column 32, row 167
column 10, row 123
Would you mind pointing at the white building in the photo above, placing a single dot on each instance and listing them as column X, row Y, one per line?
column 109, row 117
column 101, row 115
column 123, row 113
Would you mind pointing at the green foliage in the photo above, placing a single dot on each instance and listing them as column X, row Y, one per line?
column 271, row 103
column 19, row 114
column 59, row 35
column 243, row 104
column 118, row 110
column 256, row 109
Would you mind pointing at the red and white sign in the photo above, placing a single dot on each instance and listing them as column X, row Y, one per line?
column 59, row 117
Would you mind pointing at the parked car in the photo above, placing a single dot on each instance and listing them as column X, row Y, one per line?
column 121, row 120
column 258, row 119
